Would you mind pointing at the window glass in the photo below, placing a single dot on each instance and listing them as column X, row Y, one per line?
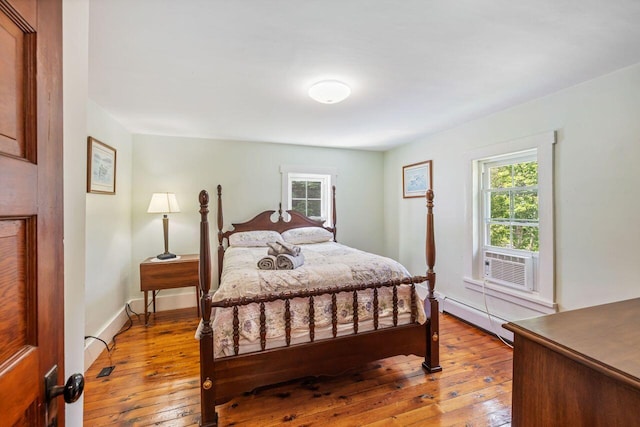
column 298, row 189
column 525, row 174
column 307, row 196
column 314, row 208
column 314, row 190
column 511, row 198
column 500, row 205
column 525, row 238
column 525, row 205
column 500, row 176
column 299, row 206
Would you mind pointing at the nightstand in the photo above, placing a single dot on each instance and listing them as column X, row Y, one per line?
column 157, row 275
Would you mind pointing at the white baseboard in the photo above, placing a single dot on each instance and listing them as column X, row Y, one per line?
column 166, row 302
column 476, row 317
column 93, row 347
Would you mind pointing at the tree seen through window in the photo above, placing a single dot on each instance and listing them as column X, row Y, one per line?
column 306, row 197
column 512, row 199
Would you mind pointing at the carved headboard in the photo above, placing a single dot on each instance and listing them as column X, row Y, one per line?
column 263, row 221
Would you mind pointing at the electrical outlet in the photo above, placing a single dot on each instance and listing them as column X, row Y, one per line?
column 105, row 372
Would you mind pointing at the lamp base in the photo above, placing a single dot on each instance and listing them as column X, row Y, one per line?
column 166, row 255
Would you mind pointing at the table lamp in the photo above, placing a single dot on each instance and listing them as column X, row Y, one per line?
column 164, row 203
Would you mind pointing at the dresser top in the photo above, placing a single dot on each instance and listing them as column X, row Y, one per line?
column 605, row 337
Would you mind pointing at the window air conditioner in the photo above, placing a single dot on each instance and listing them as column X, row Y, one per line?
column 508, row 269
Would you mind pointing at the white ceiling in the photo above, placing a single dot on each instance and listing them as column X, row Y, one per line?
column 240, row 69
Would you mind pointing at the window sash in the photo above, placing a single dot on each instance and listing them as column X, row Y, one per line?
column 511, row 191
column 323, row 180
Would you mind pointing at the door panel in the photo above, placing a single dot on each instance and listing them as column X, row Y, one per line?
column 31, row 261
column 16, row 289
column 11, row 87
column 15, row 174
column 23, row 385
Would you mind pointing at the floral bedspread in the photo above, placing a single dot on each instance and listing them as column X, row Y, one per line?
column 326, row 265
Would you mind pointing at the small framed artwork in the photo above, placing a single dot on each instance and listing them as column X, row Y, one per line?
column 417, row 178
column 101, row 167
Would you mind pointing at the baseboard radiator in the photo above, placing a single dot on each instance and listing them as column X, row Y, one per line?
column 476, row 317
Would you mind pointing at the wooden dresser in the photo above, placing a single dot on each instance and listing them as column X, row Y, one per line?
column 578, row 368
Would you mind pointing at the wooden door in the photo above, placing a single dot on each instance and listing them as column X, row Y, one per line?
column 31, row 252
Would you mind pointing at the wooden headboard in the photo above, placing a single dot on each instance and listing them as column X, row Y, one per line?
column 263, row 221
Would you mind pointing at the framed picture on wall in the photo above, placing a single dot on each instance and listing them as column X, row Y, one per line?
column 101, row 167
column 417, row 178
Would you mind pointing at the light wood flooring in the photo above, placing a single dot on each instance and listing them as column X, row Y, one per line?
column 155, row 382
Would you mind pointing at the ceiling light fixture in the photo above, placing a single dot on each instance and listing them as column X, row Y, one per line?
column 329, row 91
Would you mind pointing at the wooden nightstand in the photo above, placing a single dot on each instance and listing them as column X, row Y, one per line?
column 158, row 275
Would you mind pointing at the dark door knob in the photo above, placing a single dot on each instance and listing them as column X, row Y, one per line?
column 72, row 390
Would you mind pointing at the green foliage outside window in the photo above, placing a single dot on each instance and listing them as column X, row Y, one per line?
column 512, row 198
column 306, row 197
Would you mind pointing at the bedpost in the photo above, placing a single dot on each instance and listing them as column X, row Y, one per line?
column 220, row 234
column 207, row 367
column 334, row 217
column 432, row 359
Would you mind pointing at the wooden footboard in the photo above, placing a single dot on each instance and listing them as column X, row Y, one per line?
column 222, row 379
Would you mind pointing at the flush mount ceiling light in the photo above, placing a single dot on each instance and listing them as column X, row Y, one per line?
column 329, row 91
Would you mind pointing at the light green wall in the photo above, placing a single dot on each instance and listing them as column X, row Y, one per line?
column 251, row 181
column 108, row 228
column 596, row 191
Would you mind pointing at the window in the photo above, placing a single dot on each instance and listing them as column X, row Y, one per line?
column 510, row 250
column 510, row 197
column 308, row 190
column 308, row 195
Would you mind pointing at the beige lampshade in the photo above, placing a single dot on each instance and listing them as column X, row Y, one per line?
column 163, row 203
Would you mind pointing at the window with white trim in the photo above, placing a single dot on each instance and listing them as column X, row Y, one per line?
column 510, row 201
column 309, row 194
column 509, row 240
column 308, row 190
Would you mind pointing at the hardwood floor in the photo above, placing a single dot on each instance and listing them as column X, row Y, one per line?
column 155, row 382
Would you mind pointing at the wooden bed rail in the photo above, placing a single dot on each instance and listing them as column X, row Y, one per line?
column 304, row 293
column 310, row 294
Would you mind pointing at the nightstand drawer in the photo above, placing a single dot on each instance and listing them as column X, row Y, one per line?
column 158, row 275
column 169, row 274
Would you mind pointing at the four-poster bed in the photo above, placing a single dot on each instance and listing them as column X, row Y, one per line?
column 377, row 318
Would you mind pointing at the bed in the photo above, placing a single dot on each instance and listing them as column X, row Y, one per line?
column 328, row 316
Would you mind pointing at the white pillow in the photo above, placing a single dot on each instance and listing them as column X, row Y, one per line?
column 254, row 238
column 300, row 236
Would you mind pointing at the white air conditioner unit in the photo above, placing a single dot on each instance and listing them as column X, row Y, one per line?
column 507, row 269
